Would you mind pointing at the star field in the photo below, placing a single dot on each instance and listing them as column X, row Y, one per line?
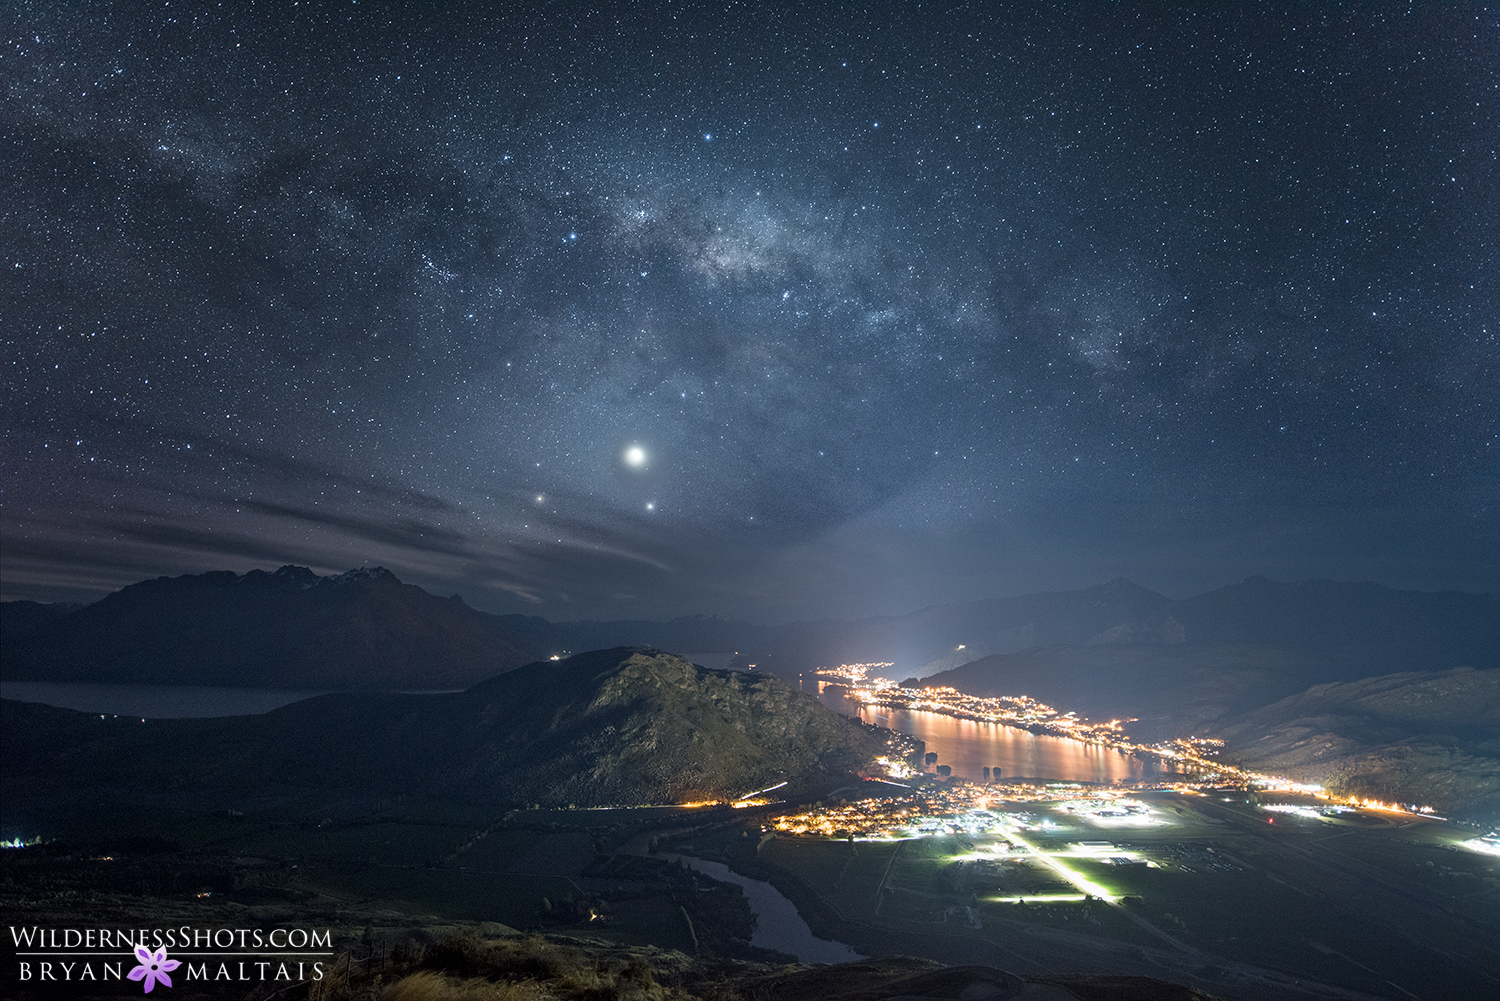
column 750, row 310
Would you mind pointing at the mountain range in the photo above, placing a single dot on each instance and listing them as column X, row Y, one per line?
column 366, row 630
column 359, row 630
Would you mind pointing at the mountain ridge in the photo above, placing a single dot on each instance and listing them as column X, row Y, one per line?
column 363, row 629
column 613, row 727
column 170, row 631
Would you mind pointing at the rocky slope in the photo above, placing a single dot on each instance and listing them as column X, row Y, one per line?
column 1430, row 738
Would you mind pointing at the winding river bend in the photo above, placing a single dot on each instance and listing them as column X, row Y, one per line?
column 777, row 924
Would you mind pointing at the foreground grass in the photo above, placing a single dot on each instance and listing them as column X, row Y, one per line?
column 468, row 967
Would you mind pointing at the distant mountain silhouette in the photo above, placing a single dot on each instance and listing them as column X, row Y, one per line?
column 1351, row 630
column 931, row 637
column 911, row 641
column 689, row 632
column 1171, row 689
column 18, row 618
column 1364, row 629
column 624, row 726
column 366, row 630
column 290, row 629
column 1218, row 653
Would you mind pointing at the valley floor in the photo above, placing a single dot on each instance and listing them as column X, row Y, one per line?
column 1211, row 891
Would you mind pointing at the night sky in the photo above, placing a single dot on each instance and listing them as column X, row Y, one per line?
column 776, row 312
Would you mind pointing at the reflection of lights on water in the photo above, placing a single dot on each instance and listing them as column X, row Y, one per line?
column 1021, row 711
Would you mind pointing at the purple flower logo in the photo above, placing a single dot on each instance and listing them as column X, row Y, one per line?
column 154, row 967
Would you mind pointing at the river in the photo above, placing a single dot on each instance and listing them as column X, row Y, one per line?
column 777, row 924
column 968, row 747
column 153, row 701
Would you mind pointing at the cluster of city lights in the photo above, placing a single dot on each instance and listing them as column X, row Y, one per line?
column 895, row 768
column 1297, row 810
column 859, row 674
column 1009, row 710
column 1193, row 753
column 963, row 808
column 1107, row 809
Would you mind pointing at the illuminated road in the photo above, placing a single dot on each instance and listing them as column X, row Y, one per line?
column 1088, row 887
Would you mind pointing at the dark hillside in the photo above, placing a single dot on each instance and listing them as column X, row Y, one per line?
column 1363, row 629
column 624, row 726
column 18, row 618
column 1241, row 647
column 1432, row 737
column 1171, row 689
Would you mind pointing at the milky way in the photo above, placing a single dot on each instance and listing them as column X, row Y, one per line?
column 747, row 311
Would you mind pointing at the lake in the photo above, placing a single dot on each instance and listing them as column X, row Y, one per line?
column 153, row 701
column 968, row 747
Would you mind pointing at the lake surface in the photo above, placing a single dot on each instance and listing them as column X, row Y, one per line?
column 969, row 747
column 154, row 701
column 777, row 924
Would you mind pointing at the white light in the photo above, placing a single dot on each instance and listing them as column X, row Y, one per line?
column 1489, row 844
column 635, row 456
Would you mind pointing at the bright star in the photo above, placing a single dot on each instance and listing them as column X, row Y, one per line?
column 635, row 455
